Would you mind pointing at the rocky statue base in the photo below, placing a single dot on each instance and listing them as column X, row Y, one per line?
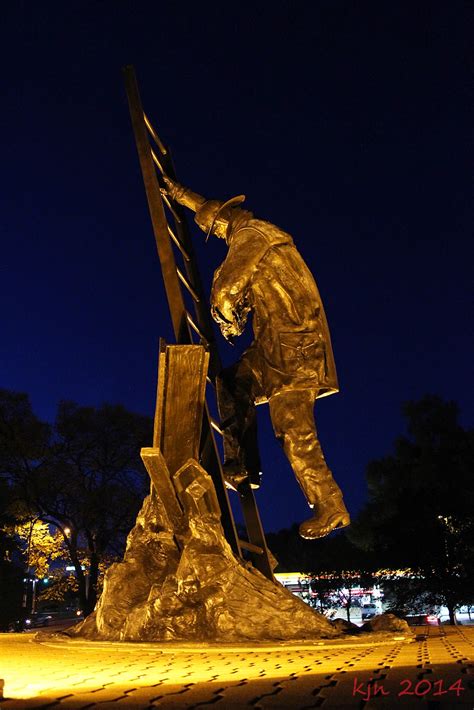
column 190, row 586
column 180, row 579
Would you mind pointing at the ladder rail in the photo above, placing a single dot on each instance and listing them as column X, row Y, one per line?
column 183, row 323
column 203, row 315
column 157, row 213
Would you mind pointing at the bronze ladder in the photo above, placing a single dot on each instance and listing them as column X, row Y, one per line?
column 182, row 284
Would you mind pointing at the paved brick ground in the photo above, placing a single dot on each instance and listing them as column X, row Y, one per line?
column 42, row 672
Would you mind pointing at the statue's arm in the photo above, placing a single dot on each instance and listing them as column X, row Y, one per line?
column 183, row 195
column 232, row 279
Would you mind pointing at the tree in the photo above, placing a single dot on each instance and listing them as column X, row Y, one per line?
column 11, row 571
column 334, row 565
column 420, row 514
column 294, row 554
column 83, row 476
column 337, row 568
column 336, row 587
column 45, row 557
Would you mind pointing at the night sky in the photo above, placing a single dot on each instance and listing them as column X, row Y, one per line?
column 344, row 123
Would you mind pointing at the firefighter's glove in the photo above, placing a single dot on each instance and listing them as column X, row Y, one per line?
column 229, row 328
column 173, row 189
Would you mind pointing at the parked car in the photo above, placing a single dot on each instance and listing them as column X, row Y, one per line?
column 425, row 619
column 369, row 611
column 37, row 620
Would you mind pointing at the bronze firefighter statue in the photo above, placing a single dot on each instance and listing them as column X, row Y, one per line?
column 289, row 364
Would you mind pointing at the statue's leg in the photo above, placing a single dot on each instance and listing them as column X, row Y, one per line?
column 293, row 422
column 237, row 386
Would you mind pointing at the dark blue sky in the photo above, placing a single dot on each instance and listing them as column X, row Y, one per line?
column 344, row 123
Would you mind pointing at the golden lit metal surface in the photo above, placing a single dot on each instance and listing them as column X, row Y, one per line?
column 180, row 402
column 154, row 134
column 216, row 427
column 156, row 161
column 210, row 457
column 175, row 239
column 179, row 578
column 289, row 364
column 196, row 329
column 158, row 471
column 170, row 207
column 186, row 283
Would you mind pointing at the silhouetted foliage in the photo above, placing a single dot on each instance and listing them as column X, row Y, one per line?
column 11, row 568
column 334, row 565
column 83, row 475
column 420, row 514
column 329, row 554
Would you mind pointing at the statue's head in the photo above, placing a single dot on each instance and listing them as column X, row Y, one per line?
column 214, row 216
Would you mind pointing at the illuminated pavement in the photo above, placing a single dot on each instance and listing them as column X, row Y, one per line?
column 44, row 672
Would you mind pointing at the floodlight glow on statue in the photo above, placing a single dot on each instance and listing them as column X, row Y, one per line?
column 290, row 363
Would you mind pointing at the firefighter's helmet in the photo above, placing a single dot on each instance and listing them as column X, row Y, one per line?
column 208, row 213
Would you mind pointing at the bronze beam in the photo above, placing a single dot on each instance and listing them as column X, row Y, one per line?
column 158, row 471
column 157, row 214
column 180, row 402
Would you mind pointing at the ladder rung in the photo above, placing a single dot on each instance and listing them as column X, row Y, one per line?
column 250, row 547
column 196, row 329
column 170, row 206
column 154, row 134
column 157, row 162
column 178, row 244
column 184, row 280
column 216, row 426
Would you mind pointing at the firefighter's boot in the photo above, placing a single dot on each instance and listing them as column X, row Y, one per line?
column 331, row 514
